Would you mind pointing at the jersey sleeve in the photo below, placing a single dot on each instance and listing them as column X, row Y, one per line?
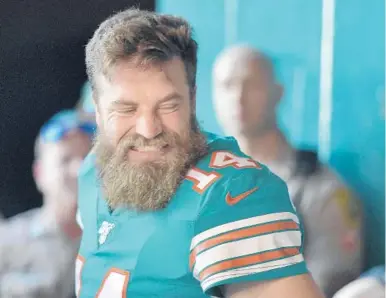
column 247, row 230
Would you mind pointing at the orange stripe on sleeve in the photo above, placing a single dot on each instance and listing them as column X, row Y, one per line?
column 248, row 260
column 240, row 234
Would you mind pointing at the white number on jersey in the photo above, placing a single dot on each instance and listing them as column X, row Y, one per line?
column 114, row 284
column 201, row 179
column 222, row 159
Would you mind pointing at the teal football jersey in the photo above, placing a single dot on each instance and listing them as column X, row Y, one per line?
column 230, row 220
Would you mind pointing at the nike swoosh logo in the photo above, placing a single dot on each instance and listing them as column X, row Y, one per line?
column 234, row 200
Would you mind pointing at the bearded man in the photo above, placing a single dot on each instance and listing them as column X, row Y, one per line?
column 166, row 209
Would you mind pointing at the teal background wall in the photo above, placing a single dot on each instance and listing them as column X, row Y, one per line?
column 291, row 32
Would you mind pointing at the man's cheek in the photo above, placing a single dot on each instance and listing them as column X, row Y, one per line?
column 118, row 128
column 111, row 132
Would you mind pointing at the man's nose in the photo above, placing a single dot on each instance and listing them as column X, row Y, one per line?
column 148, row 125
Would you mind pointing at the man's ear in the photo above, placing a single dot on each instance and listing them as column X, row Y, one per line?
column 97, row 110
column 97, row 117
column 193, row 99
column 278, row 93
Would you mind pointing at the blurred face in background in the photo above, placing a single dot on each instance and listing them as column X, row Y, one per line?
column 86, row 115
column 57, row 165
column 85, row 106
column 245, row 93
column 148, row 134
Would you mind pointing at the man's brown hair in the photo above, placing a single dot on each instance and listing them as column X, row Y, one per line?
column 143, row 37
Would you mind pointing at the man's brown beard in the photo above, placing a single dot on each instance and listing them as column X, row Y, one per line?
column 146, row 185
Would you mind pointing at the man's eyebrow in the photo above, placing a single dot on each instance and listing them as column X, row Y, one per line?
column 171, row 96
column 121, row 102
column 128, row 102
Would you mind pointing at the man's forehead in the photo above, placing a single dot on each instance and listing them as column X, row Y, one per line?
column 171, row 68
column 241, row 62
column 106, row 86
column 230, row 69
column 124, row 74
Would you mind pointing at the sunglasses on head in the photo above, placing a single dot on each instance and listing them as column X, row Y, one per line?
column 58, row 127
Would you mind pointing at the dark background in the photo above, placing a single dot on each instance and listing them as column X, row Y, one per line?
column 41, row 71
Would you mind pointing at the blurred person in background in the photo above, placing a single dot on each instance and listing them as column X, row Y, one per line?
column 38, row 247
column 85, row 106
column 371, row 284
column 246, row 95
